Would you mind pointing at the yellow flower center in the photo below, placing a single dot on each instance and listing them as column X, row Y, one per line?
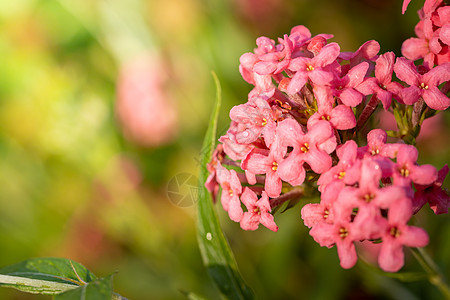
column 395, row 232
column 305, row 148
column 423, row 86
column 375, row 151
column 404, row 172
column 368, row 197
column 343, row 232
column 274, row 166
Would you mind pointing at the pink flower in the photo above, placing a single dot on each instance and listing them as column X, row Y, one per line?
column 426, row 46
column 367, row 52
column 231, row 190
column 341, row 234
column 312, row 147
column 258, row 211
column 262, row 161
column 340, row 117
column 425, row 86
column 276, row 61
column 406, row 169
column 232, row 148
column 347, row 169
column 261, row 82
column 313, row 68
column 256, row 119
column 346, row 88
column 382, row 85
column 314, row 213
column 396, row 234
column 434, row 194
column 379, row 151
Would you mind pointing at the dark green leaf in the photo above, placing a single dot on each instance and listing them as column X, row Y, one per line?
column 216, row 252
column 45, row 275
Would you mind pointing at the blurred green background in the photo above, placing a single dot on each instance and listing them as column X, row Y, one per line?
column 85, row 164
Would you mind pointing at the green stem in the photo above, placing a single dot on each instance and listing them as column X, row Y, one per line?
column 434, row 275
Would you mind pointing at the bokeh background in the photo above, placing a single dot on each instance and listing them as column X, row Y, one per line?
column 104, row 102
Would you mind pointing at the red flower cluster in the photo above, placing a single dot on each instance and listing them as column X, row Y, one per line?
column 298, row 131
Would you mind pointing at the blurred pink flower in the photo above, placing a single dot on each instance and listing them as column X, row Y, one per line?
column 144, row 109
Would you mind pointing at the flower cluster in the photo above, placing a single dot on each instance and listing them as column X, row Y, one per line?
column 299, row 129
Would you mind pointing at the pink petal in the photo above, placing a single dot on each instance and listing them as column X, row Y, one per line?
column 435, row 99
column 288, row 131
column 413, row 236
column 342, row 117
column 368, row 86
column 444, row 34
column 312, row 214
column 385, row 97
column 255, row 162
column 320, row 77
column 299, row 64
column 265, row 67
column 324, row 234
column 407, row 154
column 391, row 257
column 291, row 169
column 249, row 198
column 400, row 213
column 327, row 55
column 351, row 97
column 268, row 221
column 249, row 221
column 320, row 132
column 235, row 210
column 264, row 203
column 411, row 94
column 384, row 67
column 437, row 75
column 273, row 184
column 318, row 160
column 347, row 253
column 405, row 5
column 388, row 196
column 415, row 48
column 297, row 82
column 406, row 71
column 369, row 49
column 424, row 174
column 357, row 74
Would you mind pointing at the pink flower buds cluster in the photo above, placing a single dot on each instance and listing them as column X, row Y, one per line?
column 299, row 128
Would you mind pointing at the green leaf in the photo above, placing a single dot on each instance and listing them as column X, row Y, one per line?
column 99, row 289
column 214, row 248
column 48, row 276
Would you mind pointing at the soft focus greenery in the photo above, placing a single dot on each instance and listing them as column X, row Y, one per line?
column 73, row 185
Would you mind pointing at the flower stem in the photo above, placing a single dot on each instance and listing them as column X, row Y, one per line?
column 292, row 194
column 417, row 112
column 434, row 275
column 367, row 112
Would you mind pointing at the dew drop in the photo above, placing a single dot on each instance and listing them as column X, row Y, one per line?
column 209, row 236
